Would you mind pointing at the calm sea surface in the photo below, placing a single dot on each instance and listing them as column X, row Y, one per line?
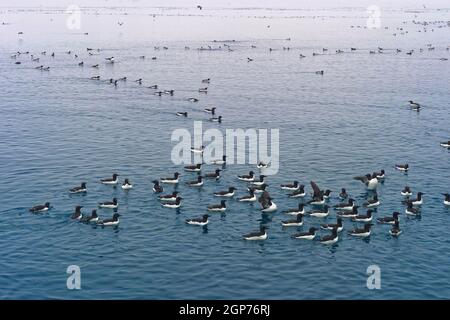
column 59, row 128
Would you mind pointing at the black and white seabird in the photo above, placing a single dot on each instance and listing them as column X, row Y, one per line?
column 112, row 180
column 127, row 185
column 406, row 192
column 157, row 188
column 309, row 235
column 220, row 161
column 300, row 193
column 193, row 168
column 320, row 213
column 395, row 230
column 293, row 187
column 329, row 226
column 249, row 198
column 40, row 208
column 414, row 105
column 300, row 210
column 182, row 114
column 345, row 206
column 381, row 175
column 210, row 110
column 206, row 80
column 198, row 150
column 343, row 194
column 258, row 189
column 216, row 119
column 297, row 222
column 171, row 180
column 199, row 221
column 114, row 221
column 258, row 235
column 173, row 205
column 247, row 177
column 361, row 232
column 109, row 204
column 261, row 165
column 92, row 218
column 259, row 182
column 410, row 210
column 229, row 193
column 213, row 175
column 195, row 183
column 193, row 99
column 349, row 213
column 445, row 144
column 389, row 220
column 374, row 202
column 446, row 199
column 369, row 180
column 415, row 202
column 330, row 239
column 364, row 217
column 218, row 207
column 268, row 206
column 402, row 167
column 77, row 215
column 169, row 197
column 81, row 189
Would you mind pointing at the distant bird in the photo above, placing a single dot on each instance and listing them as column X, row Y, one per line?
column 300, row 210
column 199, row 221
column 77, row 215
column 446, row 199
column 361, row 232
column 258, row 235
column 157, row 188
column 193, row 168
column 216, row 119
column 402, row 167
column 109, row 204
column 173, row 205
column 445, row 144
column 406, row 192
column 297, row 222
column 389, row 220
column 220, row 161
column 112, row 180
column 258, row 189
column 374, row 202
column 92, row 218
column 206, row 80
column 261, row 165
column 414, row 105
column 210, row 110
column 184, row 114
column 195, row 183
column 395, row 231
column 249, row 59
column 309, row 235
column 229, row 193
column 370, row 181
column 330, row 226
column 95, row 66
column 40, row 208
column 193, row 99
column 114, row 221
column 330, row 239
column 218, row 207
column 127, row 185
column 247, row 177
column 259, row 182
column 364, row 217
column 199, row 7
column 415, row 202
column 82, row 188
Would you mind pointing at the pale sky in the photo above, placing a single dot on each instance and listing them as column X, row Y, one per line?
column 235, row 3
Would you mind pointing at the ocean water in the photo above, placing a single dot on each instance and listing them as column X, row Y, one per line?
column 59, row 128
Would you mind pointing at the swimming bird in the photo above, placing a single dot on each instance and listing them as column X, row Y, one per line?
column 40, row 208
column 114, row 221
column 218, row 207
column 361, row 232
column 110, row 59
column 297, row 222
column 193, row 168
column 381, row 175
column 258, row 189
column 320, row 213
column 364, row 217
column 300, row 210
column 258, row 182
column 410, row 210
column 157, row 188
column 389, row 220
column 109, row 204
column 249, row 59
column 210, row 110
column 169, row 197
column 247, row 177
column 326, row 194
column 402, row 167
column 261, row 165
column 317, row 201
column 77, row 215
column 309, row 235
column 198, row 150
column 329, row 226
column 446, row 199
column 112, row 180
column 193, row 99
column 203, row 90
column 171, row 180
column 195, row 183
column 330, row 239
column 81, row 63
column 370, row 181
column 345, row 206
column 228, row 193
column 213, row 175
column 139, row 81
column 81, row 189
column 249, row 198
column 258, row 235
column 182, row 114
column 343, row 194
column 300, row 193
column 216, row 119
column 415, row 202
column 220, row 162
column 127, row 185
column 92, row 218
column 395, row 230
column 352, row 213
column 155, row 86
column 206, row 80
column 414, row 105
column 199, row 221
column 294, row 186
column 173, row 205
column 374, row 202
column 95, row 66
column 95, row 78
column 406, row 192
column 270, row 206
column 445, row 144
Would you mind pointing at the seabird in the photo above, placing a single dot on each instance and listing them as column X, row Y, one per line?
column 77, row 215
column 92, row 218
column 297, row 222
column 343, row 195
column 210, row 110
column 261, row 165
column 345, row 206
column 410, row 210
column 415, row 202
column 109, row 204
column 198, row 150
column 320, row 213
column 349, row 213
column 112, row 180
column 294, row 186
column 114, row 221
column 218, row 207
column 445, row 144
column 169, row 197
column 258, row 182
column 364, row 217
column 173, row 205
column 370, row 181
column 80, row 189
column 331, row 226
column 193, row 168
column 309, row 235
column 330, row 239
column 216, row 119
column 157, row 188
column 269, row 207
column 199, row 221
column 395, row 231
column 297, row 211
column 374, row 202
column 258, row 189
column 406, row 192
column 414, row 105
column 182, row 114
column 195, row 183
column 127, row 185
column 389, row 220
column 446, row 199
column 258, row 235
column 172, row 180
column 247, row 177
column 213, row 175
column 228, row 193
column 40, row 208
column 361, row 232
column 300, row 193
column 220, row 162
column 249, row 198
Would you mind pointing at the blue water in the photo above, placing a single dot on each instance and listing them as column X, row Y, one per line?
column 59, row 128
